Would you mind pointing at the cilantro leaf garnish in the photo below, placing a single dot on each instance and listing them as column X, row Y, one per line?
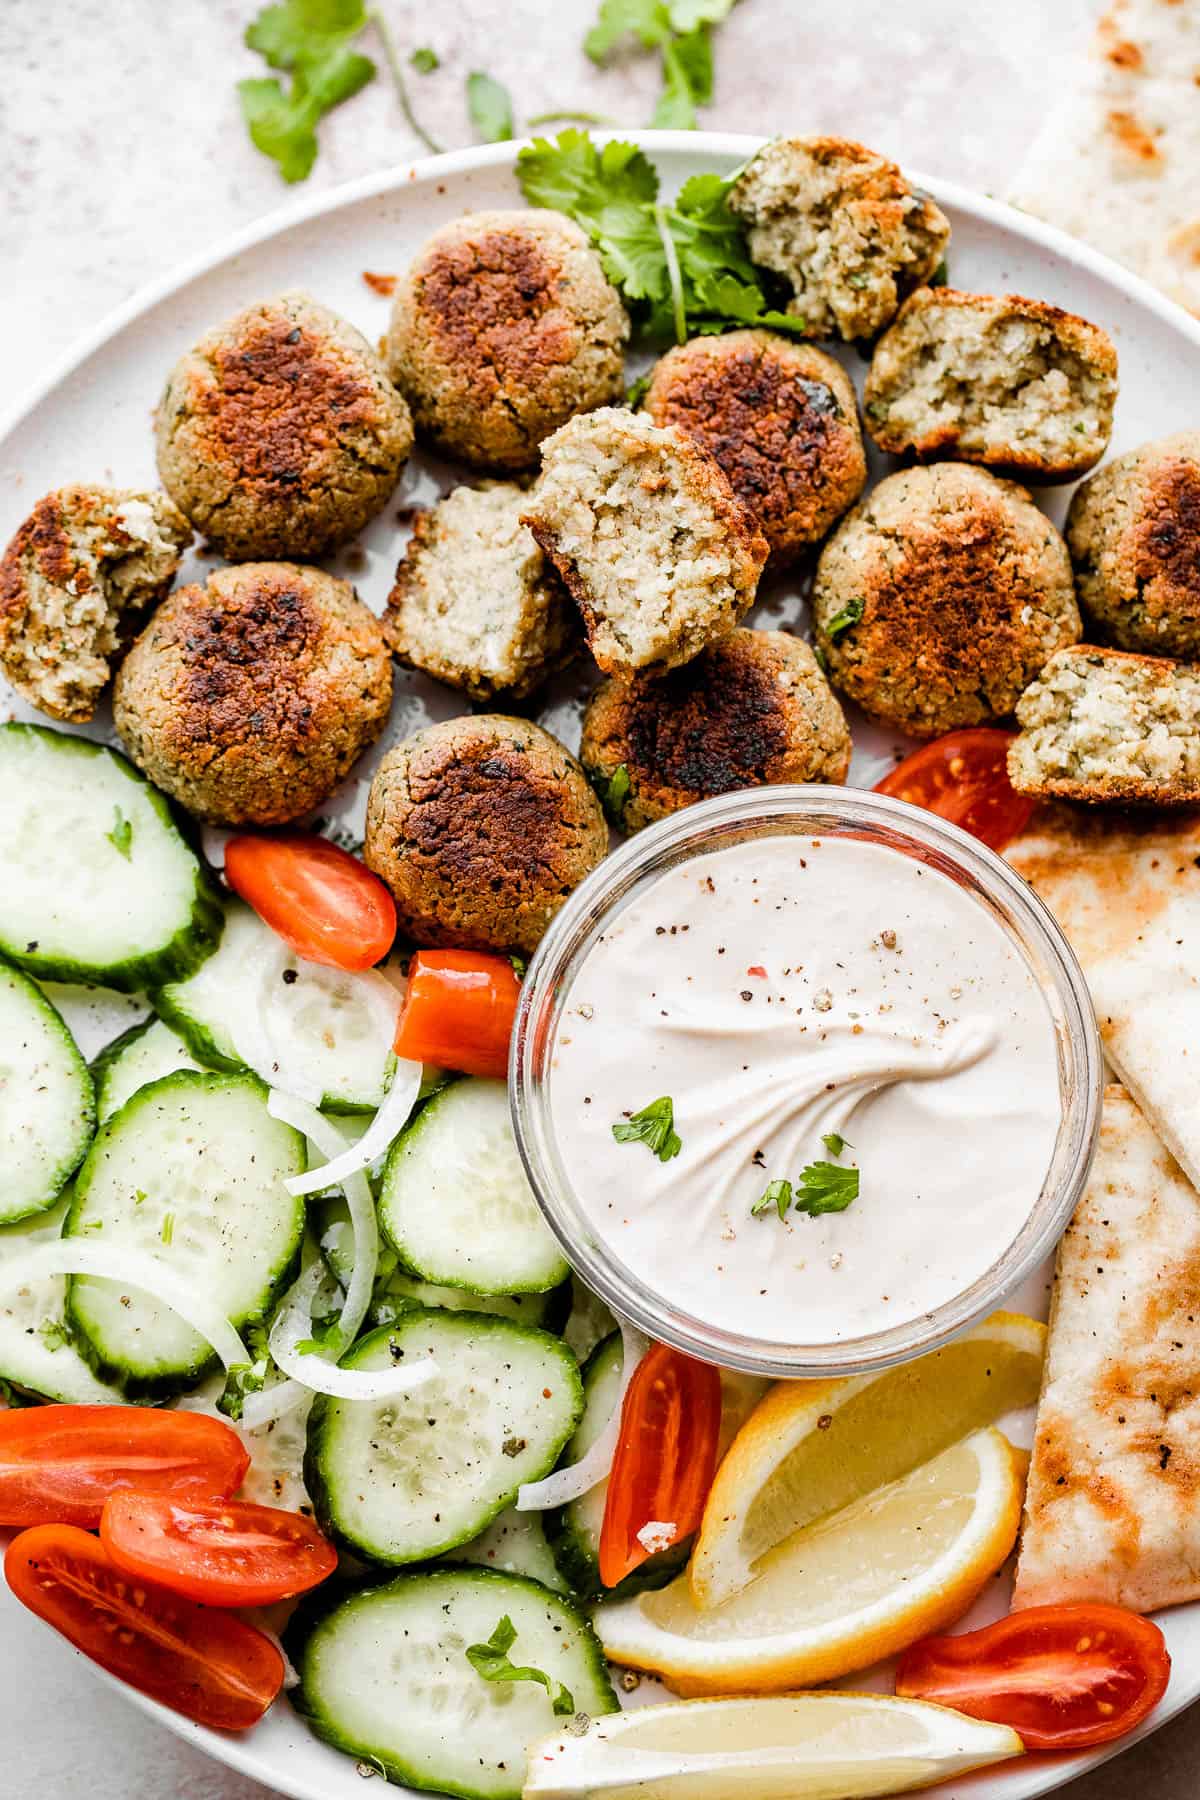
column 490, row 106
column 121, row 835
column 849, row 615
column 246, row 1378
column 825, row 1187
column 613, row 793
column 776, row 1194
column 835, row 1143
column 491, row 1661
column 680, row 31
column 637, row 392
column 654, row 1126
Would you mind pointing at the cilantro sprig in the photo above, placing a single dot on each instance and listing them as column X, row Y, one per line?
column 680, row 30
column 491, row 1661
column 654, row 1126
column 822, row 1187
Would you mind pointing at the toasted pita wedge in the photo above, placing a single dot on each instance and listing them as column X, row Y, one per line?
column 1111, row 1510
column 1125, row 887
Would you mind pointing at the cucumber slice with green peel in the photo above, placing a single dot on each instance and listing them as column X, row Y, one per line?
column 384, row 1676
column 404, row 1479
column 99, row 885
column 144, row 1053
column 328, row 1020
column 515, row 1543
column 47, row 1105
column 191, row 1169
column 37, row 1353
column 455, row 1204
column 573, row 1531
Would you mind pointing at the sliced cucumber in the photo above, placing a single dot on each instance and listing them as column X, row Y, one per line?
column 418, row 1474
column 98, row 883
column 573, row 1531
column 144, row 1053
column 47, row 1106
column 515, row 1543
column 384, row 1676
column 37, row 1353
column 455, row 1204
column 324, row 1016
column 192, row 1169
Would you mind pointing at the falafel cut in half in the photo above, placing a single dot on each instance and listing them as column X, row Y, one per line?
column 503, row 328
column 1134, row 536
column 1015, row 384
column 249, row 699
column 940, row 598
column 475, row 602
column 646, row 531
column 781, row 420
column 1104, row 725
column 279, row 433
column 751, row 711
column 843, row 226
column 80, row 569
column 481, row 827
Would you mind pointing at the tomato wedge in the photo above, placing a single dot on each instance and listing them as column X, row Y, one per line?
column 220, row 1552
column 210, row 1666
column 665, row 1461
column 963, row 777
column 325, row 904
column 1063, row 1677
column 459, row 1011
column 58, row 1464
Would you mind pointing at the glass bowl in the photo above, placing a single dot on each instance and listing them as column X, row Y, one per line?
column 805, row 811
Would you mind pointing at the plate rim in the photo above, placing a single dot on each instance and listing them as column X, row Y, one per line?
column 1039, row 1775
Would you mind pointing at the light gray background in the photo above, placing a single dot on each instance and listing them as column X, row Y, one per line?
column 122, row 152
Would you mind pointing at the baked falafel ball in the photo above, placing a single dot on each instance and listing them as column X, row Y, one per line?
column 1106, row 726
column 1134, row 535
column 843, row 226
column 1019, row 386
column 475, row 602
column 658, row 552
column 505, row 326
column 249, row 699
column 481, row 827
column 940, row 597
column 84, row 563
column 279, row 433
column 781, row 420
column 750, row 711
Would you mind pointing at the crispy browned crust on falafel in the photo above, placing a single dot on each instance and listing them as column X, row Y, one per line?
column 279, row 434
column 940, row 597
column 1134, row 536
column 503, row 328
column 249, row 699
column 481, row 827
column 1015, row 384
column 781, row 420
column 751, row 711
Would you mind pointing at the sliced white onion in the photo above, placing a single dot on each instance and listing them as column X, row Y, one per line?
column 305, row 1118
column 315, row 1372
column 268, row 1404
column 595, row 1466
column 253, row 1038
column 133, row 1268
column 264, row 1619
column 213, row 839
column 375, row 1141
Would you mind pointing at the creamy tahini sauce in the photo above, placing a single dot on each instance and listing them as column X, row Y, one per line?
column 779, row 990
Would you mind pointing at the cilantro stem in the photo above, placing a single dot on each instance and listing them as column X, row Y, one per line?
column 396, row 69
column 673, row 275
column 583, row 118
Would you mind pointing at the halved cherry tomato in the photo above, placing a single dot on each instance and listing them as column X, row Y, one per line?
column 665, row 1461
column 323, row 903
column 1063, row 1677
column 963, row 777
column 208, row 1665
column 459, row 1011
column 220, row 1552
column 59, row 1464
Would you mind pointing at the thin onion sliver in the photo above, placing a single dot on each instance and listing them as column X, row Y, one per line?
column 384, row 1128
column 565, row 1485
column 293, row 1323
column 303, row 1117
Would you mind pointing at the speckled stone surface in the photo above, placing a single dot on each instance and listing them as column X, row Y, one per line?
column 123, row 155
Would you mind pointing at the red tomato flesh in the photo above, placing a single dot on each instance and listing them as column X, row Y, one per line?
column 665, row 1460
column 1063, row 1677
column 459, row 1011
column 220, row 1552
column 963, row 777
column 210, row 1666
column 325, row 904
column 58, row 1464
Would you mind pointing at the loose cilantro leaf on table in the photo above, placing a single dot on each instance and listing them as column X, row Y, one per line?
column 491, row 1661
column 311, row 41
column 425, row 61
column 680, row 30
column 490, row 107
column 654, row 1126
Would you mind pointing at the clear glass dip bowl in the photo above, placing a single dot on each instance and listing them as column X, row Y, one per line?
column 804, row 812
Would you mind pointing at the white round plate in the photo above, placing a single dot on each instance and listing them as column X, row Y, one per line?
column 92, row 421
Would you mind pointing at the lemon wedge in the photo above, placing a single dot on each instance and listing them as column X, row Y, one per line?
column 802, row 1747
column 840, row 1594
column 812, row 1447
